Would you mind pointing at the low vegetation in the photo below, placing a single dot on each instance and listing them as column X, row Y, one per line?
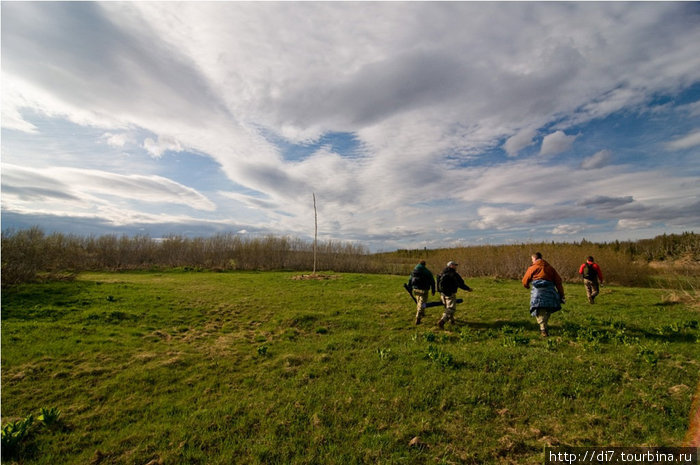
column 31, row 255
column 257, row 367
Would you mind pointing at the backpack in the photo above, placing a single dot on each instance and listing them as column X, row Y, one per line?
column 589, row 272
column 418, row 280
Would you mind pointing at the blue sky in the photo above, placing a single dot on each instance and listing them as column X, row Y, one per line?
column 416, row 124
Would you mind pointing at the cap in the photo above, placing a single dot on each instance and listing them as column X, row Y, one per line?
column 450, row 263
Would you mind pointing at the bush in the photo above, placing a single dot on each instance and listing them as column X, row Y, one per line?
column 29, row 254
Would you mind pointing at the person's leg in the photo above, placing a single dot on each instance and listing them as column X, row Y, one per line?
column 589, row 290
column 542, row 319
column 450, row 303
column 421, row 300
column 595, row 290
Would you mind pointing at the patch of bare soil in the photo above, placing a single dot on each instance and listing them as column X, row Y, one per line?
column 319, row 277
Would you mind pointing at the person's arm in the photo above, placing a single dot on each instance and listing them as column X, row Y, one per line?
column 580, row 270
column 463, row 285
column 599, row 271
column 527, row 278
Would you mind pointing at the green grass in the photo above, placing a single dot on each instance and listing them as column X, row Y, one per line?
column 245, row 367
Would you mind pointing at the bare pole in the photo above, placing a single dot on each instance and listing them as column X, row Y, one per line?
column 315, row 232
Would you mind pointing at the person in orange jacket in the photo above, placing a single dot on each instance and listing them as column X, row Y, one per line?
column 547, row 292
column 592, row 277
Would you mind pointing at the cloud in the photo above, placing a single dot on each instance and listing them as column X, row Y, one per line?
column 83, row 186
column 597, row 160
column 602, row 201
column 685, row 142
column 568, row 229
column 12, row 103
column 250, row 201
column 157, row 148
column 116, row 140
column 519, row 141
column 629, row 224
column 427, row 90
column 556, row 143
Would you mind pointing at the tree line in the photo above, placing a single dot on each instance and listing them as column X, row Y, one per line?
column 31, row 254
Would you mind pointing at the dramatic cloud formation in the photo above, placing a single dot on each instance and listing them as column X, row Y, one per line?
column 414, row 123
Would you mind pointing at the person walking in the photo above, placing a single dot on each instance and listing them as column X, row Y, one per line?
column 547, row 292
column 421, row 281
column 449, row 281
column 592, row 277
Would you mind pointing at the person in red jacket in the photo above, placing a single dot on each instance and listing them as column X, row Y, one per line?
column 592, row 277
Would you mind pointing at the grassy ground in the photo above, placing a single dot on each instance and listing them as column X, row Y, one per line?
column 221, row 368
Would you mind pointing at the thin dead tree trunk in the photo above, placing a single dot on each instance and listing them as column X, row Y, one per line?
column 315, row 233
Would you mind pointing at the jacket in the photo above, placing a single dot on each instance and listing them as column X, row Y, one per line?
column 450, row 281
column 422, row 278
column 543, row 270
column 544, row 295
column 597, row 276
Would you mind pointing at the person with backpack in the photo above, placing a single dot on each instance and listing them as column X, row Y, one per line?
column 592, row 277
column 547, row 292
column 421, row 281
column 449, row 281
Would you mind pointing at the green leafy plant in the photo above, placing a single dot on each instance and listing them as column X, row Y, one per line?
column 648, row 355
column 513, row 340
column 49, row 416
column 440, row 357
column 14, row 433
column 384, row 353
column 513, row 337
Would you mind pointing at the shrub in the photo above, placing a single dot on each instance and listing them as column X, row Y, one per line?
column 13, row 434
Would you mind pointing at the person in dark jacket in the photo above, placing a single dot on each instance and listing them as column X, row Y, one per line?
column 450, row 281
column 592, row 277
column 421, row 281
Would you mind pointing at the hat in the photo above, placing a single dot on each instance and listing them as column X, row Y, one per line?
column 450, row 263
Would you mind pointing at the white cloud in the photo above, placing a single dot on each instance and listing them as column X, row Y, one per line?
column 116, row 140
column 693, row 108
column 30, row 186
column 157, row 148
column 519, row 141
column 231, row 80
column 568, row 229
column 627, row 223
column 556, row 143
column 597, row 160
column 685, row 142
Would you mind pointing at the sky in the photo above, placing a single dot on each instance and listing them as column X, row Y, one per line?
column 414, row 124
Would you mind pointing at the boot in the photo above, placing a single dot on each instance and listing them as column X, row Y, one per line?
column 441, row 323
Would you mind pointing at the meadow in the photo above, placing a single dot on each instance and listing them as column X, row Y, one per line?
column 253, row 367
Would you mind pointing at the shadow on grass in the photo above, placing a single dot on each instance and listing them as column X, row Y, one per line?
column 680, row 333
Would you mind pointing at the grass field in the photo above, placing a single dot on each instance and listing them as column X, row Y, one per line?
column 246, row 367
